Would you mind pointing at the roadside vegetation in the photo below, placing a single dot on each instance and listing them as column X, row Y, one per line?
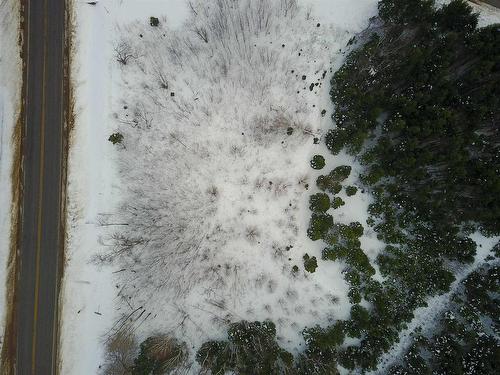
column 157, row 355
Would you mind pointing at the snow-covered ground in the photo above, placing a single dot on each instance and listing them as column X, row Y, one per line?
column 197, row 217
column 206, row 174
column 10, row 90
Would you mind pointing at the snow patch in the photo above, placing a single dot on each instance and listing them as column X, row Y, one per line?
column 10, row 91
column 206, row 152
column 347, row 14
column 217, row 190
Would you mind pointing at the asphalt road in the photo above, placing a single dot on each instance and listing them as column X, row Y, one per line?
column 495, row 3
column 41, row 240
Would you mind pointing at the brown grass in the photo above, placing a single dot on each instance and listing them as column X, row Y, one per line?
column 8, row 354
column 69, row 124
column 9, row 345
column 121, row 349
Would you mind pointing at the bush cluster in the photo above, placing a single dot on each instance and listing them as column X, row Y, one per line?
column 319, row 202
column 115, row 138
column 351, row 190
column 318, row 162
column 332, row 182
column 159, row 355
column 319, row 225
column 251, row 348
column 310, row 263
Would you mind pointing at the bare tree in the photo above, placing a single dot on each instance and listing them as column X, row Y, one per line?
column 309, row 12
column 202, row 33
column 123, row 52
column 289, row 7
column 143, row 116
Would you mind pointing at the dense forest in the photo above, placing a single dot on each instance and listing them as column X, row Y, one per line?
column 418, row 105
column 420, row 100
column 417, row 102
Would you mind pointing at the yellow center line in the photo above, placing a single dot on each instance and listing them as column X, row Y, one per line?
column 40, row 195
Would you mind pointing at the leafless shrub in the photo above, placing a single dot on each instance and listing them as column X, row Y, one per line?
column 162, row 79
column 221, row 304
column 191, row 7
column 281, row 187
column 303, row 180
column 299, row 309
column 213, row 193
column 123, row 52
column 259, row 183
column 143, row 117
column 121, row 350
column 289, row 7
column 291, row 294
column 271, row 286
column 266, row 128
column 169, row 352
column 334, row 299
column 124, row 243
column 260, row 280
column 236, row 150
column 252, row 233
column 308, row 12
column 202, row 33
column 278, row 251
column 244, row 180
column 308, row 130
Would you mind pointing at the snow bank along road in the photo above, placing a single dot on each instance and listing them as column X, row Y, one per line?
column 41, row 240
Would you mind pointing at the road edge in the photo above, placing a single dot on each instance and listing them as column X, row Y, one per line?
column 7, row 355
column 492, row 3
column 69, row 121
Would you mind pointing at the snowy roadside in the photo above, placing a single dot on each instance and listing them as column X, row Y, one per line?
column 90, row 293
column 10, row 91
